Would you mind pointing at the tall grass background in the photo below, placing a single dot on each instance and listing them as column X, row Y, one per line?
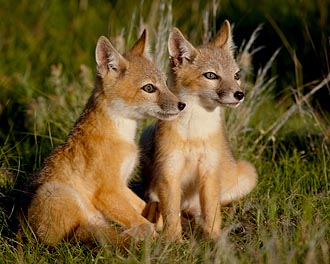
column 47, row 70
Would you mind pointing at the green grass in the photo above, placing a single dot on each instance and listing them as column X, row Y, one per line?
column 46, row 75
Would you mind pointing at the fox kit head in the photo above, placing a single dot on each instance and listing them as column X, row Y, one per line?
column 133, row 87
column 208, row 71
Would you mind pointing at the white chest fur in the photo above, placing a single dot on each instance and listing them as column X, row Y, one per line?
column 196, row 122
column 126, row 128
column 128, row 166
column 126, row 125
column 196, row 125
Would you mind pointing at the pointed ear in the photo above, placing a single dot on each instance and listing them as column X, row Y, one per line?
column 180, row 48
column 141, row 47
column 223, row 38
column 108, row 58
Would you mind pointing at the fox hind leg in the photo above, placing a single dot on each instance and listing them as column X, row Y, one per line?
column 57, row 212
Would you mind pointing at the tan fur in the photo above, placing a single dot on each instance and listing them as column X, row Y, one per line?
column 82, row 187
column 188, row 165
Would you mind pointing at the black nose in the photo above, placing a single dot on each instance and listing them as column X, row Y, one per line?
column 239, row 95
column 181, row 106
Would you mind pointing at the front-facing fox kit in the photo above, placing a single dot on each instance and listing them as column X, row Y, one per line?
column 82, row 186
column 187, row 163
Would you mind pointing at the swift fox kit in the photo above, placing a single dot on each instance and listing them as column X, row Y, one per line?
column 188, row 165
column 82, row 187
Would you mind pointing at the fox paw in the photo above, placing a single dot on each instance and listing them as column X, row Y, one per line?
column 172, row 235
column 141, row 232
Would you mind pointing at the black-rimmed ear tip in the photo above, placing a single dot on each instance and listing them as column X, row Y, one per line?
column 143, row 34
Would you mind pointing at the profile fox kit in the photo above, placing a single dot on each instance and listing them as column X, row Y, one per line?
column 82, row 186
column 187, row 163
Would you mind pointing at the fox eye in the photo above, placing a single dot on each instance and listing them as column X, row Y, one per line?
column 149, row 88
column 237, row 75
column 211, row 75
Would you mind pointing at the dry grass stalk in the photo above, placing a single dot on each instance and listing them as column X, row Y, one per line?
column 278, row 124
